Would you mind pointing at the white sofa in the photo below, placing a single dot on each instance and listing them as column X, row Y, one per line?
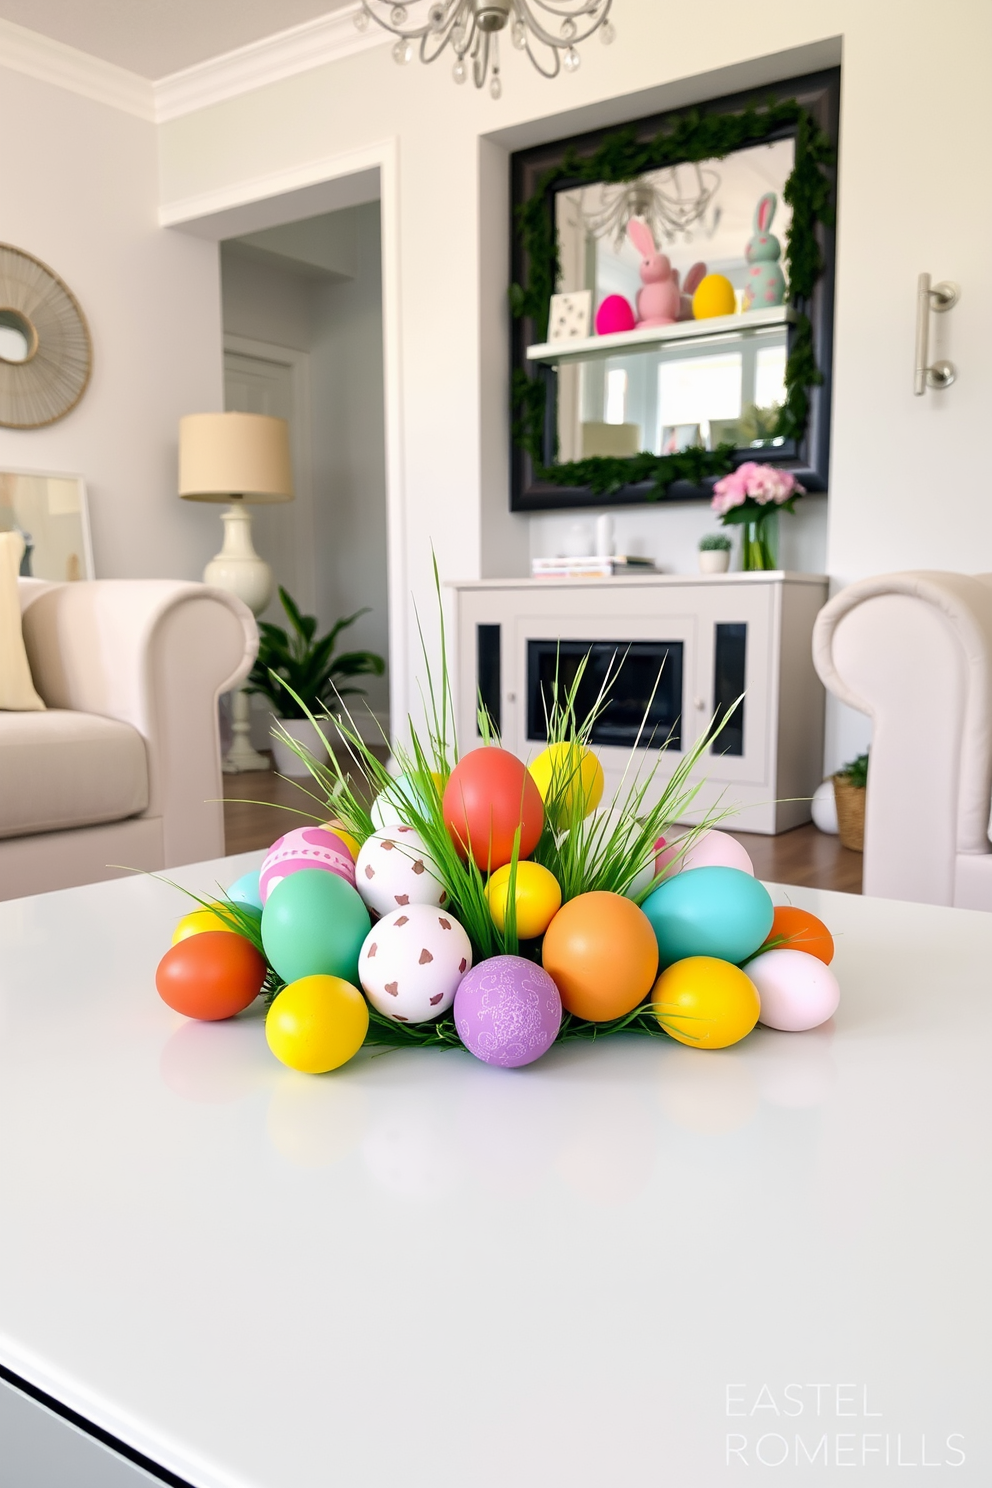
column 914, row 652
column 123, row 768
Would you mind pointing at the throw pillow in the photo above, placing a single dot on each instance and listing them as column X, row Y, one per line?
column 17, row 694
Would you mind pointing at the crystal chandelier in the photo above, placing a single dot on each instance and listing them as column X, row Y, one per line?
column 547, row 30
column 666, row 201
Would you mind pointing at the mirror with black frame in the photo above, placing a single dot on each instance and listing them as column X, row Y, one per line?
column 693, row 321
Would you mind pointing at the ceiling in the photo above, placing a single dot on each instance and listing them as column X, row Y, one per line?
column 157, row 37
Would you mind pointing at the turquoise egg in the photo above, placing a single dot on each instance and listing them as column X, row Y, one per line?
column 244, row 890
column 314, row 924
column 720, row 912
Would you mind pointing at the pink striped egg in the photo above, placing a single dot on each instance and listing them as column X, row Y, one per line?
column 305, row 847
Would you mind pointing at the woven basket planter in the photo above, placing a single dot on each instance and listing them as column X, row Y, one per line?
column 850, row 813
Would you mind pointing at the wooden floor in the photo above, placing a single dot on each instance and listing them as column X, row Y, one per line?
column 259, row 807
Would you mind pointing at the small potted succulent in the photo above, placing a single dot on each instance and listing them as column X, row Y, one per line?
column 312, row 671
column 714, row 553
column 850, row 788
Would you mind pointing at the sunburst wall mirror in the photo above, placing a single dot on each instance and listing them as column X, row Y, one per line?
column 45, row 352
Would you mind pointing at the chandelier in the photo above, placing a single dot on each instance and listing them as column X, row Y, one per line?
column 665, row 200
column 547, row 30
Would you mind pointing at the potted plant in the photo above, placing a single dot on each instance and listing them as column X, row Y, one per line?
column 311, row 669
column 714, row 553
column 850, row 785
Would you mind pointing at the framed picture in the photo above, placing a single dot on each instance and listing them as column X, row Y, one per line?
column 571, row 316
column 50, row 512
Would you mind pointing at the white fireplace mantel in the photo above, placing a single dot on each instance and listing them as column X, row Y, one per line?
column 779, row 763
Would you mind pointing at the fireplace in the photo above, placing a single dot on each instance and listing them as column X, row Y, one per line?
column 645, row 695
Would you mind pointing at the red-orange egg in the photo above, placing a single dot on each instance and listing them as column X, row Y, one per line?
column 489, row 795
column 797, row 930
column 211, row 975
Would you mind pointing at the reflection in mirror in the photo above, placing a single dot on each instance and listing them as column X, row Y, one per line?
column 50, row 513
column 18, row 337
column 663, row 395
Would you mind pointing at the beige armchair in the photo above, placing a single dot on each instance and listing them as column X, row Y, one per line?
column 914, row 651
column 124, row 766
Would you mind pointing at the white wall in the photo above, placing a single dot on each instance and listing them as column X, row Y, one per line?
column 79, row 190
column 915, row 138
column 264, row 301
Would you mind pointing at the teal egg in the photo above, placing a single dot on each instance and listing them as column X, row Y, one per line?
column 720, row 912
column 244, row 890
column 314, row 924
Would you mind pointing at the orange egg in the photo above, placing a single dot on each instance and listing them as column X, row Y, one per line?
column 211, row 975
column 798, row 930
column 602, row 955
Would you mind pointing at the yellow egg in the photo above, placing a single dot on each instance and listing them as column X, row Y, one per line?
column 537, row 897
column 568, row 776
column 351, row 843
column 199, row 920
column 705, row 1003
column 714, row 296
column 317, row 1023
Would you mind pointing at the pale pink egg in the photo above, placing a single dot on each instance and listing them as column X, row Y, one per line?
column 797, row 991
column 305, row 847
column 710, row 850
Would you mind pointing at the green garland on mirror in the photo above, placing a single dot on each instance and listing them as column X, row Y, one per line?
column 622, row 157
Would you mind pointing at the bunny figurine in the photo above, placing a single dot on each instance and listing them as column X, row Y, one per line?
column 659, row 302
column 693, row 279
column 764, row 285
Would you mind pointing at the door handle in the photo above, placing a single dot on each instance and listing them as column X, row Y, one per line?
column 939, row 297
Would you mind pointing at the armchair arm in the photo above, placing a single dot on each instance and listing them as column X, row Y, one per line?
column 155, row 653
column 914, row 652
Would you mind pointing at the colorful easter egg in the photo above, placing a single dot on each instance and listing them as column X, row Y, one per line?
column 395, row 869
column 537, row 897
column 797, row 991
column 245, row 890
column 705, row 1002
column 719, row 912
column 411, row 963
column 393, row 805
column 600, row 951
column 714, row 296
column 614, row 314
column 212, row 975
column 212, row 918
column 304, row 847
column 507, row 1011
column 313, row 924
column 317, row 1024
column 490, row 795
column 797, row 930
column 710, row 850
column 570, row 779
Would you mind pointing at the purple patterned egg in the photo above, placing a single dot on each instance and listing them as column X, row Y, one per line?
column 305, row 847
column 507, row 1011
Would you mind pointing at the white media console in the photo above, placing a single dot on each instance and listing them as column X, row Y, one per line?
column 711, row 637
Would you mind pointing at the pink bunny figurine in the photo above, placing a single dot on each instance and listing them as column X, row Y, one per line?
column 693, row 279
column 659, row 302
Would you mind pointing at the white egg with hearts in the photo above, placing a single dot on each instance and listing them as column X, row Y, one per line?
column 394, row 869
column 412, row 962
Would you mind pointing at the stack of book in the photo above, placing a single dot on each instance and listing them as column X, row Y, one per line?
column 590, row 568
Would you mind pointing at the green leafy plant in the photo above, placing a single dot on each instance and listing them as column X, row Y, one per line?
column 301, row 675
column 693, row 136
column 714, row 542
column 855, row 772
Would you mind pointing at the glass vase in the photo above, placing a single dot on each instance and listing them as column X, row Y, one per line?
column 758, row 546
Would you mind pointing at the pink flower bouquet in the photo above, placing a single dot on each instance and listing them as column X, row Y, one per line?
column 749, row 496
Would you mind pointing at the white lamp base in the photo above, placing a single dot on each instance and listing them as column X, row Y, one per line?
column 238, row 569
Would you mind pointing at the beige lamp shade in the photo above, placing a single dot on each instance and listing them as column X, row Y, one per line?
column 234, row 457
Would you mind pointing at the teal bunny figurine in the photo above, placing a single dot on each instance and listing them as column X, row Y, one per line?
column 764, row 285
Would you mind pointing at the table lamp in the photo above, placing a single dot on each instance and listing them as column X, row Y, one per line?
column 239, row 458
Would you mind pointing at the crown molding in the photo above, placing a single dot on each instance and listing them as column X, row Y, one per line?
column 288, row 53
column 37, row 56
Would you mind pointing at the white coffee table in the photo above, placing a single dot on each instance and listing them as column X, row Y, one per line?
column 632, row 1264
